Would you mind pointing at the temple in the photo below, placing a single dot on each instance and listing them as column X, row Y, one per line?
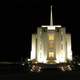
column 51, row 44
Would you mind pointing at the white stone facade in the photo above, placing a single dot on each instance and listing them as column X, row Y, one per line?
column 51, row 44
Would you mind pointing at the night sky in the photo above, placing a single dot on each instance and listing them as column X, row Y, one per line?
column 20, row 19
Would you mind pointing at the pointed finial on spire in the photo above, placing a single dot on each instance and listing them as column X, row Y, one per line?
column 51, row 18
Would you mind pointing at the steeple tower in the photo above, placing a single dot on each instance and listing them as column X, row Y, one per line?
column 51, row 18
column 51, row 26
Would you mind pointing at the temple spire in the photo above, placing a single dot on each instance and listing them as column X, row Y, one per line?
column 51, row 18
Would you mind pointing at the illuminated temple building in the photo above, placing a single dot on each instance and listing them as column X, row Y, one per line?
column 51, row 44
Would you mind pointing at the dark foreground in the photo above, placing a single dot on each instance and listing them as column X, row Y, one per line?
column 16, row 72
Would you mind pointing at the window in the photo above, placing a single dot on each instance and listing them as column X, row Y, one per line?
column 51, row 45
column 51, row 54
column 44, row 30
column 51, row 37
column 61, row 46
column 61, row 37
column 40, row 45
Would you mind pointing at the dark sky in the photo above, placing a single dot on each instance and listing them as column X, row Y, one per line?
column 20, row 18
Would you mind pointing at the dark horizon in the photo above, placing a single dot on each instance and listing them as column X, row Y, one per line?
column 21, row 19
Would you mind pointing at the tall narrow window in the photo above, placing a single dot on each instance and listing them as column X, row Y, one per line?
column 61, row 37
column 61, row 46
